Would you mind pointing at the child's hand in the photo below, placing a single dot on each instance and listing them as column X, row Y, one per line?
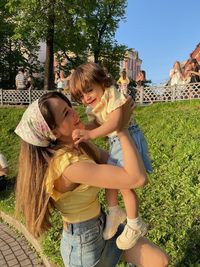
column 80, row 135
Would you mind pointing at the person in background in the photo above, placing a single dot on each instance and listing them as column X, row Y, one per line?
column 3, row 166
column 176, row 75
column 192, row 72
column 68, row 177
column 141, row 78
column 30, row 82
column 90, row 85
column 20, row 80
column 26, row 74
column 123, row 82
column 59, row 81
column 4, row 170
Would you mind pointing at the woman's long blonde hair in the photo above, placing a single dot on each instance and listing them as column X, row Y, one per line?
column 32, row 201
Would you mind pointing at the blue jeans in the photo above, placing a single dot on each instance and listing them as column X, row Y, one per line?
column 82, row 245
column 140, row 142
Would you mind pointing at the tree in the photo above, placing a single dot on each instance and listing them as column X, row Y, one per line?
column 71, row 27
column 12, row 50
column 101, row 20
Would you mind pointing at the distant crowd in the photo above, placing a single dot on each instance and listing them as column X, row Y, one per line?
column 179, row 75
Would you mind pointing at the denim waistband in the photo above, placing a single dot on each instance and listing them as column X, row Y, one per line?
column 71, row 227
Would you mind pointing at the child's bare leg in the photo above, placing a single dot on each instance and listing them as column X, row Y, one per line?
column 131, row 203
column 135, row 227
column 115, row 214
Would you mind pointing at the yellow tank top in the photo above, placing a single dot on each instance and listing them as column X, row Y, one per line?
column 80, row 204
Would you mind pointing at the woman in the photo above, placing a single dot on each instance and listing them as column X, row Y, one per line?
column 123, row 83
column 176, row 75
column 52, row 170
column 192, row 71
column 59, row 81
column 141, row 78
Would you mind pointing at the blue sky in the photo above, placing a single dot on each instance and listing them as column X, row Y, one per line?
column 162, row 31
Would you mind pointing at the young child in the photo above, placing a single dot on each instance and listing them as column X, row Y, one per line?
column 123, row 83
column 90, row 85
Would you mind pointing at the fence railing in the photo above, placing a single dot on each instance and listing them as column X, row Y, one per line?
column 142, row 95
column 167, row 93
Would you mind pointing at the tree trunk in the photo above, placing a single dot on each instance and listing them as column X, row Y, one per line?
column 11, row 78
column 49, row 68
column 96, row 56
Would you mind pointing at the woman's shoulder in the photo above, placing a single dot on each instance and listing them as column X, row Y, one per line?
column 62, row 158
column 66, row 156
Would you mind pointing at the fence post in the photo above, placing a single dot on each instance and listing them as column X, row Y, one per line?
column 29, row 95
column 141, row 88
column 1, row 90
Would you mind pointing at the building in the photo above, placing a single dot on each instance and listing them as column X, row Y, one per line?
column 195, row 54
column 132, row 63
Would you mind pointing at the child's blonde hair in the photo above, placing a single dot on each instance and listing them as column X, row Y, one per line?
column 87, row 75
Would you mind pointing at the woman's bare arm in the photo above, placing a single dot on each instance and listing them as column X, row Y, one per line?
column 132, row 175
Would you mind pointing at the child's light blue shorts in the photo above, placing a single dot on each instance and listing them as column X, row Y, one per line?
column 140, row 142
column 82, row 245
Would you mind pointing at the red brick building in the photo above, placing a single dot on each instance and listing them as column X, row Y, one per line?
column 132, row 63
column 195, row 54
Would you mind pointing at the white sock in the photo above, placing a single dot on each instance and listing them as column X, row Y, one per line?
column 134, row 223
column 113, row 209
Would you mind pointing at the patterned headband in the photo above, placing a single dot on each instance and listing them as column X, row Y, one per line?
column 33, row 128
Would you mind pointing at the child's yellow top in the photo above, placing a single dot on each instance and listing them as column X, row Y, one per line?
column 111, row 100
column 80, row 204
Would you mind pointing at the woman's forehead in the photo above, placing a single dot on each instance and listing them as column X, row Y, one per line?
column 58, row 105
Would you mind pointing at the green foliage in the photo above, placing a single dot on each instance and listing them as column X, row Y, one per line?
column 17, row 49
column 73, row 29
column 170, row 202
column 7, row 201
column 9, row 142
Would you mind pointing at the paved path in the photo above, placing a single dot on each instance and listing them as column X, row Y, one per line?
column 15, row 250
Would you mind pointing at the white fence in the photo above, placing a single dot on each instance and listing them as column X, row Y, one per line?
column 142, row 95
column 167, row 93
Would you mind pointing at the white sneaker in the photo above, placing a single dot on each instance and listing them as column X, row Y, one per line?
column 130, row 236
column 113, row 220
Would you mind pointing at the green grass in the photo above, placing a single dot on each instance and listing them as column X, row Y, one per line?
column 170, row 202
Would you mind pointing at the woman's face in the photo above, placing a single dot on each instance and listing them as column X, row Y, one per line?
column 66, row 119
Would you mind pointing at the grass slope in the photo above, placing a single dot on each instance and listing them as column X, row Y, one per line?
column 170, row 202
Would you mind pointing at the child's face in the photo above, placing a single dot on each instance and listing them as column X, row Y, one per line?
column 93, row 95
